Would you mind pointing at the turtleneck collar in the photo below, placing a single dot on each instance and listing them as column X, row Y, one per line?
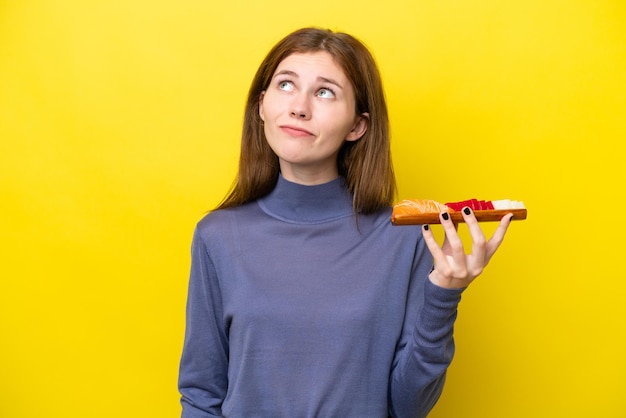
column 297, row 203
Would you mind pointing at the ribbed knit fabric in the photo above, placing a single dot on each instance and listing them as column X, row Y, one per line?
column 295, row 310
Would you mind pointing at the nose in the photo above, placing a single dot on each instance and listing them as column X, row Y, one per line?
column 300, row 114
column 300, row 107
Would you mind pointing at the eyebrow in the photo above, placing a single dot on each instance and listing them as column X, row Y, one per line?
column 323, row 79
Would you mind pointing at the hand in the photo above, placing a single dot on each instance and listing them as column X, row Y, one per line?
column 453, row 268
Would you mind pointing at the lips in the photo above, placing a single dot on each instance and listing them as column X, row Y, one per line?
column 295, row 131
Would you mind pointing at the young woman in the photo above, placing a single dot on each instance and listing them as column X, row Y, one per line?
column 303, row 300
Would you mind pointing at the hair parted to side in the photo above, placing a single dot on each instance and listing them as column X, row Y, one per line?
column 365, row 163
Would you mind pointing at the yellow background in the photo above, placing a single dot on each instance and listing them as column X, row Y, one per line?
column 119, row 129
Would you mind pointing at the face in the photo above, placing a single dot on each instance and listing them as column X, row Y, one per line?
column 308, row 112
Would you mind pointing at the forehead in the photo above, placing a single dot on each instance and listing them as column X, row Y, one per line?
column 319, row 63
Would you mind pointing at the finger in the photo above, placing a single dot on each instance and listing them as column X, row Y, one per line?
column 452, row 243
column 446, row 243
column 439, row 258
column 478, row 241
column 431, row 242
column 497, row 237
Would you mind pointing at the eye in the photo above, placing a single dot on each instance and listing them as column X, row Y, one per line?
column 326, row 93
column 285, row 85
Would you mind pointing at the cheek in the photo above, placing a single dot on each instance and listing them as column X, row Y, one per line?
column 340, row 125
column 269, row 109
column 269, row 134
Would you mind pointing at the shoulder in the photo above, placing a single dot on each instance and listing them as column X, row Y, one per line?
column 378, row 224
column 221, row 220
column 214, row 220
column 382, row 219
column 222, row 225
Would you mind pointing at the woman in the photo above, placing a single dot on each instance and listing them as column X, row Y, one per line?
column 303, row 300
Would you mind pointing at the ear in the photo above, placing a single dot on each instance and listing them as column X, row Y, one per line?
column 359, row 128
column 261, row 106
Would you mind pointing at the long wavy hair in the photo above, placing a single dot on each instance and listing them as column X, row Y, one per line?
column 365, row 163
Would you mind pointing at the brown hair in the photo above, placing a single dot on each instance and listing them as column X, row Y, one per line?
column 365, row 163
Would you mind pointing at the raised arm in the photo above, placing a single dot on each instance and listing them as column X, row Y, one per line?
column 423, row 358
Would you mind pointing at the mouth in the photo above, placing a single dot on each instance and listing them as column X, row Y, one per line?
column 295, row 131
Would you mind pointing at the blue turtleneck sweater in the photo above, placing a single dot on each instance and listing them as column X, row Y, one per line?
column 296, row 309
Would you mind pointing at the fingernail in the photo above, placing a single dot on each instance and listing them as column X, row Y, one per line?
column 467, row 211
column 426, row 227
column 445, row 216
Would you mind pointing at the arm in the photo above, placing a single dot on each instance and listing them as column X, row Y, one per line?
column 417, row 379
column 203, row 376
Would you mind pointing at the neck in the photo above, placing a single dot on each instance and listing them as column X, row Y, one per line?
column 308, row 176
column 308, row 203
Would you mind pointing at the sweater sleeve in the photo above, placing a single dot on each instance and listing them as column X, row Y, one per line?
column 203, row 375
column 425, row 351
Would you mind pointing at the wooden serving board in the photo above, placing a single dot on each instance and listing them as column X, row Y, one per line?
column 433, row 218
